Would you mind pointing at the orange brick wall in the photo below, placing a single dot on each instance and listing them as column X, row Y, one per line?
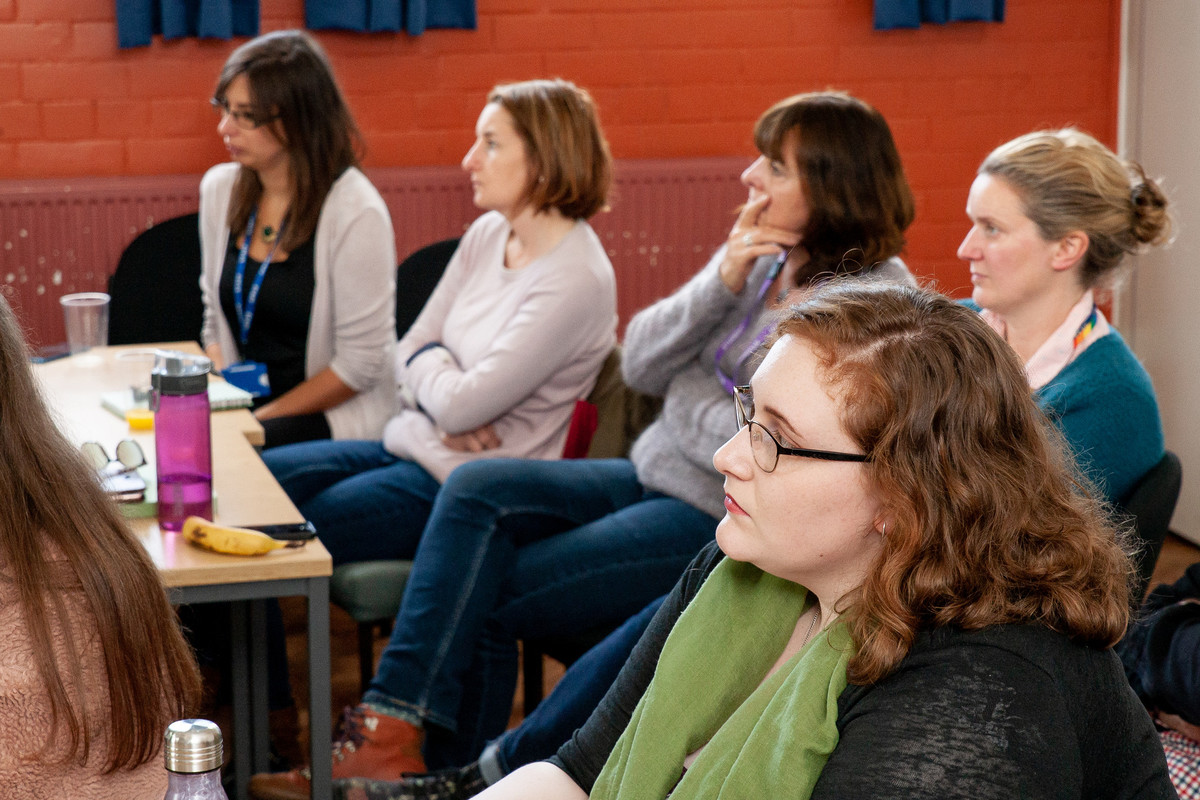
column 674, row 78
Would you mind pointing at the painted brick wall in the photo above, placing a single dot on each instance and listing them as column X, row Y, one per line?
column 673, row 78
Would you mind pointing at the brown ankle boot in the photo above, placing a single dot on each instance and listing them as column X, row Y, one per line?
column 371, row 745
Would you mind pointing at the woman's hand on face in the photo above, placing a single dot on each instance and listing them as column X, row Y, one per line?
column 476, row 441
column 749, row 240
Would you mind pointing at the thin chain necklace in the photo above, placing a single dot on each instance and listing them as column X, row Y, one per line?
column 811, row 626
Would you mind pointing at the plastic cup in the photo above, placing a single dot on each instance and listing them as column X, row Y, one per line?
column 86, row 318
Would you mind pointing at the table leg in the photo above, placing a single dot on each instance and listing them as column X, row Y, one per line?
column 319, row 692
column 257, row 665
column 240, row 691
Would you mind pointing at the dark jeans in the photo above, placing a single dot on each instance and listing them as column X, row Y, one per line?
column 366, row 503
column 522, row 549
column 573, row 700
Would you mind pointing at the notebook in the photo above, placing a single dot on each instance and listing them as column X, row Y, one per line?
column 221, row 396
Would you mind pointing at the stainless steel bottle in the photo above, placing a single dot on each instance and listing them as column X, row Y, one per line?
column 194, row 750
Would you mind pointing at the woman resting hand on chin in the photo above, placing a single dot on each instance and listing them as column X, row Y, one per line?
column 909, row 600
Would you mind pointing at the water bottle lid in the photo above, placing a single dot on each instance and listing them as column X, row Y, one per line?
column 193, row 745
column 178, row 373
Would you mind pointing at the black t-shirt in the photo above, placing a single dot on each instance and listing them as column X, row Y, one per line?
column 279, row 330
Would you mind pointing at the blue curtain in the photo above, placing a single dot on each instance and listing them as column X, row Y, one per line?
column 911, row 13
column 412, row 16
column 138, row 20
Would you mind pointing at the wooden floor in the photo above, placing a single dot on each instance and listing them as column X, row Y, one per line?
column 1177, row 555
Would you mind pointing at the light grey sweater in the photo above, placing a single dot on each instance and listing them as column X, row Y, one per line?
column 518, row 348
column 669, row 351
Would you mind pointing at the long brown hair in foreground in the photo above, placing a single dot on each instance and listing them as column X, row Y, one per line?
column 59, row 533
column 986, row 523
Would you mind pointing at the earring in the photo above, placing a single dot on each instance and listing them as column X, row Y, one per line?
column 883, row 531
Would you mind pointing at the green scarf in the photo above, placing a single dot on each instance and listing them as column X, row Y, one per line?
column 760, row 738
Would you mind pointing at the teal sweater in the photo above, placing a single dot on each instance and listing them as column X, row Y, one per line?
column 1104, row 405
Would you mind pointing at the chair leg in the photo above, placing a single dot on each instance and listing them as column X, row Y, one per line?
column 366, row 654
column 531, row 658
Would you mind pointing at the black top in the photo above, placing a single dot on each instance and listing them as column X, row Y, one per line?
column 1013, row 711
column 279, row 331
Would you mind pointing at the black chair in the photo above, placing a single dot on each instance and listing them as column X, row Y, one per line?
column 1150, row 503
column 156, row 287
column 416, row 278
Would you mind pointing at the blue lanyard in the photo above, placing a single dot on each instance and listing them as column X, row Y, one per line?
column 245, row 311
column 728, row 382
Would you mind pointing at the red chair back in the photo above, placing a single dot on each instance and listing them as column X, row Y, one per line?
column 584, row 421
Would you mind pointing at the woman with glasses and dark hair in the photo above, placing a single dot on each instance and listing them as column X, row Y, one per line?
column 519, row 548
column 877, row 616
column 298, row 253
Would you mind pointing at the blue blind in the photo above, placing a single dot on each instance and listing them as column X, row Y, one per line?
column 911, row 13
column 411, row 16
column 138, row 20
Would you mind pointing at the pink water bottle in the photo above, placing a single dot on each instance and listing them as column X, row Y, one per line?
column 182, row 437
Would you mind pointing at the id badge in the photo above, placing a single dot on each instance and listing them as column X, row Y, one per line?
column 250, row 376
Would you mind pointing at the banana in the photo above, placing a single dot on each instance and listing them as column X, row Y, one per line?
column 234, row 541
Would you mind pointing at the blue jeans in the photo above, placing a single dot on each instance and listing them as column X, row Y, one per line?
column 573, row 700
column 366, row 503
column 522, row 549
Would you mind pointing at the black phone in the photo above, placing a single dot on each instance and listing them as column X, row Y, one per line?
column 291, row 532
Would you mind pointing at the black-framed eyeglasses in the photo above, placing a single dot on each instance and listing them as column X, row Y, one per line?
column 763, row 445
column 246, row 120
column 129, row 457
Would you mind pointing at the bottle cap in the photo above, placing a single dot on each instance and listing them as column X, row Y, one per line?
column 178, row 373
column 193, row 745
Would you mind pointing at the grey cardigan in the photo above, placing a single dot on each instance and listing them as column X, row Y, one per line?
column 669, row 351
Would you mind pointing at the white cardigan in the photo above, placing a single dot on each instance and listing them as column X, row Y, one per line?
column 352, row 328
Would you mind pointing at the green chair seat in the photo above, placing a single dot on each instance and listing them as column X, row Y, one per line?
column 370, row 592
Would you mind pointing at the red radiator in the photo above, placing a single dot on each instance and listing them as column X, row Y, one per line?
column 62, row 236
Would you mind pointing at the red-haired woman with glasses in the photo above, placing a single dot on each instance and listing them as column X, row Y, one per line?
column 911, row 595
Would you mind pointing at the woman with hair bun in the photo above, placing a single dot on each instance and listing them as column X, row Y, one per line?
column 1054, row 213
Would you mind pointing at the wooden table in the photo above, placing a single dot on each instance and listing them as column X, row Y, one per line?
column 245, row 494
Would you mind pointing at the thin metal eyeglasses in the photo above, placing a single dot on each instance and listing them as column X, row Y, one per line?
column 246, row 120
column 129, row 457
column 763, row 445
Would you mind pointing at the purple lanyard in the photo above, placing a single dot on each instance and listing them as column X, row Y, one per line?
column 728, row 382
